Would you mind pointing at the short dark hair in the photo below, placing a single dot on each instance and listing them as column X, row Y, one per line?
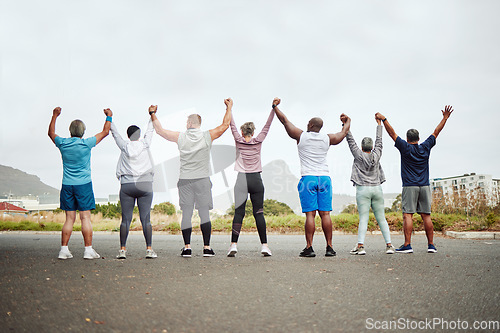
column 133, row 132
column 412, row 135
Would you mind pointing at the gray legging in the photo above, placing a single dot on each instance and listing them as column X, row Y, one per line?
column 129, row 192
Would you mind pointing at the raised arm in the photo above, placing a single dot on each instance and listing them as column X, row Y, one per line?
column 387, row 126
column 219, row 130
column 446, row 114
column 355, row 151
column 148, row 136
column 118, row 138
column 377, row 149
column 106, row 128
column 262, row 135
column 234, row 129
column 164, row 133
column 337, row 138
column 292, row 131
column 52, row 126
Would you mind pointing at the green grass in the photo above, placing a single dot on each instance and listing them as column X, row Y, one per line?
column 284, row 223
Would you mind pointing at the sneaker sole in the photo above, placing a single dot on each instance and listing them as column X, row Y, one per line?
column 358, row 253
column 186, row 255
column 151, row 257
column 390, row 252
column 208, row 255
column 121, row 258
column 90, row 258
column 266, row 254
column 404, row 251
column 431, row 251
column 307, row 255
column 64, row 258
column 231, row 253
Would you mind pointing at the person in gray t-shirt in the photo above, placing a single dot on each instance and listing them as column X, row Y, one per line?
column 194, row 186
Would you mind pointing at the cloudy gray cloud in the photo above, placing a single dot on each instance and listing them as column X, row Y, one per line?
column 404, row 59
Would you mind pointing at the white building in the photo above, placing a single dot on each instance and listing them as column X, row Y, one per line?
column 467, row 182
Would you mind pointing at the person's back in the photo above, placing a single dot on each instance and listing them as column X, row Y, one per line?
column 194, row 150
column 313, row 149
column 75, row 153
column 415, row 161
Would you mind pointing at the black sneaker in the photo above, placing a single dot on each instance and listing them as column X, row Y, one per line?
column 330, row 252
column 308, row 252
column 186, row 253
column 208, row 253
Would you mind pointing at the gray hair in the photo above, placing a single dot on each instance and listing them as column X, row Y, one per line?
column 367, row 144
column 248, row 128
column 77, row 128
column 412, row 135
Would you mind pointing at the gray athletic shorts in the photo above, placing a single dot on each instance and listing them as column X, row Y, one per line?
column 416, row 199
column 195, row 193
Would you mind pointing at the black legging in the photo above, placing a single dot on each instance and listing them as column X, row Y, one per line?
column 249, row 183
column 129, row 192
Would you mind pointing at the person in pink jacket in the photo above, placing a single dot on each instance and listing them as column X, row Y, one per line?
column 249, row 181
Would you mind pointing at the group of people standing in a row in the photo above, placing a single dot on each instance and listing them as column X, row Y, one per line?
column 135, row 173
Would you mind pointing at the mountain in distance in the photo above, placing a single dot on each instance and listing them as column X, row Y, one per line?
column 18, row 183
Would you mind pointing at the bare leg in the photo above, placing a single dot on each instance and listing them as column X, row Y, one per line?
column 429, row 227
column 67, row 228
column 326, row 224
column 86, row 227
column 310, row 227
column 407, row 227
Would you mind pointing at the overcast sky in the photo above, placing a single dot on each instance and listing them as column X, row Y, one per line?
column 405, row 59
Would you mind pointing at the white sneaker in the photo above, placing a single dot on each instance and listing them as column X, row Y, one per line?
column 390, row 249
column 122, row 254
column 358, row 250
column 91, row 254
column 63, row 255
column 150, row 254
column 232, row 250
column 266, row 252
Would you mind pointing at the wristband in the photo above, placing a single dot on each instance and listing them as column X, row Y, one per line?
column 151, row 112
column 383, row 120
column 108, row 118
column 274, row 106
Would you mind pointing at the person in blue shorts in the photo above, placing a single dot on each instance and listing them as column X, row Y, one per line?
column 315, row 187
column 76, row 191
column 416, row 195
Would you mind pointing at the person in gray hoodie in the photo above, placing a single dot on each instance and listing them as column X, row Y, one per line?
column 194, row 185
column 135, row 173
column 367, row 175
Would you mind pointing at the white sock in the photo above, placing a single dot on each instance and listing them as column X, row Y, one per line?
column 64, row 248
column 88, row 248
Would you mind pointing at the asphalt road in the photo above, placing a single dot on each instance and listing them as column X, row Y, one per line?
column 248, row 293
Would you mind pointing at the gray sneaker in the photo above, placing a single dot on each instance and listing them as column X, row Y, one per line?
column 390, row 249
column 122, row 254
column 358, row 250
column 150, row 254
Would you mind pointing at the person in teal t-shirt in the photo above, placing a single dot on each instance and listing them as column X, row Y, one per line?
column 76, row 191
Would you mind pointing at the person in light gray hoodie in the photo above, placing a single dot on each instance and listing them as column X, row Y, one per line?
column 135, row 173
column 367, row 175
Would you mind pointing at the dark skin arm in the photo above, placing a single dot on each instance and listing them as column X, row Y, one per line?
column 388, row 127
column 337, row 138
column 292, row 131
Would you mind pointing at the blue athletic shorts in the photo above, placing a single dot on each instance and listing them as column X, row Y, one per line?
column 315, row 193
column 77, row 197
